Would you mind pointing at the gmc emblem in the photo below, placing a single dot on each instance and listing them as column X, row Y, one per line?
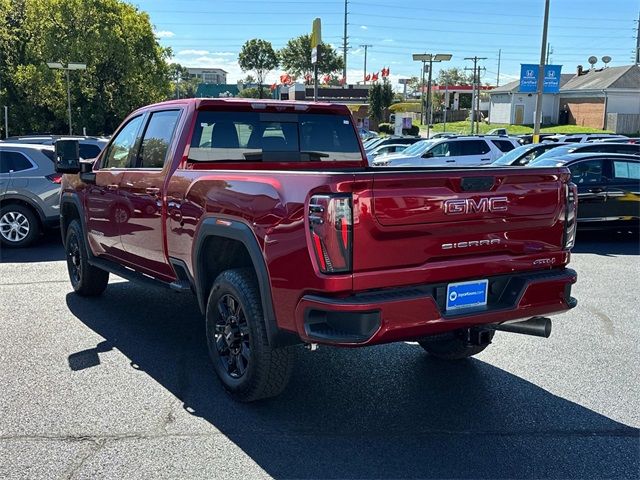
column 469, row 205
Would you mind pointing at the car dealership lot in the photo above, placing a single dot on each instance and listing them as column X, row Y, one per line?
column 121, row 386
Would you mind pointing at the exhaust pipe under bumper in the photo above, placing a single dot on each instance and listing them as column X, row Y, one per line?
column 536, row 326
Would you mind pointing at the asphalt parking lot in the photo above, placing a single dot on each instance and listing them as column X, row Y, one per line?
column 121, row 387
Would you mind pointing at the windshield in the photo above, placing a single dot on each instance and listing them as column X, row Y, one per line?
column 417, row 148
column 275, row 137
column 555, row 152
column 513, row 155
column 547, row 162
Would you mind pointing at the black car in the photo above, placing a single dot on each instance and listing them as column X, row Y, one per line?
column 600, row 147
column 522, row 155
column 608, row 188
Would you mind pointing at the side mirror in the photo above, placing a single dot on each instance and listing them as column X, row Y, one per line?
column 428, row 154
column 87, row 174
column 67, row 156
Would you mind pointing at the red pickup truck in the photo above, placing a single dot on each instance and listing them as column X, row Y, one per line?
column 269, row 213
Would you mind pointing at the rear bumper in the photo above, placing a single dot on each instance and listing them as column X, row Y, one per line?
column 411, row 313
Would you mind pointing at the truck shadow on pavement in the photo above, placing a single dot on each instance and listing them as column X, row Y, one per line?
column 379, row 412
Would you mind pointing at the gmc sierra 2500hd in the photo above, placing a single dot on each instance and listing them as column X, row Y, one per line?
column 268, row 212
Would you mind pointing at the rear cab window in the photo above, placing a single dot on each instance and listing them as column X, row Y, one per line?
column 273, row 137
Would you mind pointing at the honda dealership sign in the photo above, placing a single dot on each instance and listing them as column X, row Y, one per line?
column 529, row 78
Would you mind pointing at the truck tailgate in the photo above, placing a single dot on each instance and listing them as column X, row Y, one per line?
column 431, row 225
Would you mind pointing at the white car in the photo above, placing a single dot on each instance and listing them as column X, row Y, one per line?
column 385, row 150
column 463, row 151
column 584, row 137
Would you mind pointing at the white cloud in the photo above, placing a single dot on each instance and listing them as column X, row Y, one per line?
column 388, row 40
column 193, row 52
column 364, row 27
column 225, row 54
column 164, row 34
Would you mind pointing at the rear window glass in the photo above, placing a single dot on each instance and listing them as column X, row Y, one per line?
column 273, row 137
column 474, row 147
column 13, row 162
column 503, row 145
column 49, row 154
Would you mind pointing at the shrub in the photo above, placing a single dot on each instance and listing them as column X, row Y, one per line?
column 389, row 128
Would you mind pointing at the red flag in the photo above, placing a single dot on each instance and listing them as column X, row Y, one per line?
column 273, row 86
column 326, row 79
column 385, row 72
column 375, row 77
column 367, row 78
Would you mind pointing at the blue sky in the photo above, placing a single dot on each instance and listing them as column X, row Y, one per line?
column 206, row 33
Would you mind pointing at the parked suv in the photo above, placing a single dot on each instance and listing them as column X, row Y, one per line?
column 90, row 147
column 29, row 192
column 461, row 151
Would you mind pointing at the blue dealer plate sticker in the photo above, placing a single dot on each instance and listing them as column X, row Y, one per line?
column 467, row 294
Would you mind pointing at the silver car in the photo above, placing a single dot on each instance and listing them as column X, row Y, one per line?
column 29, row 192
column 90, row 147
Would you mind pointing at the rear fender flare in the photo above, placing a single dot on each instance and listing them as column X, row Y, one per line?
column 241, row 232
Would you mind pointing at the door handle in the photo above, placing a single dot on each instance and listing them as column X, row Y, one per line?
column 596, row 190
column 154, row 191
column 450, row 161
column 112, row 187
column 485, row 159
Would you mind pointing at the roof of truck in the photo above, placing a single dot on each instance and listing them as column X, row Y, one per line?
column 255, row 104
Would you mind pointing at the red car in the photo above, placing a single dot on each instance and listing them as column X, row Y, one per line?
column 268, row 212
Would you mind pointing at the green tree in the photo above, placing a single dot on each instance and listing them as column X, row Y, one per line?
column 252, row 92
column 295, row 57
column 258, row 55
column 454, row 76
column 375, row 102
column 126, row 66
column 183, row 85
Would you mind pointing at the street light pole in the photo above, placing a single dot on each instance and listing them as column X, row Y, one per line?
column 69, row 101
column 428, row 57
column 540, row 86
column 70, row 66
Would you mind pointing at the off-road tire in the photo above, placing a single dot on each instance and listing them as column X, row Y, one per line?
column 87, row 280
column 451, row 346
column 267, row 369
column 23, row 214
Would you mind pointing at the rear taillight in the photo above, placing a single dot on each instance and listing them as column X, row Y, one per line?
column 55, row 178
column 331, row 225
column 570, row 218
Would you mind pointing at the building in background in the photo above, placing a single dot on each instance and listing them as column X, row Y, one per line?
column 215, row 76
column 606, row 98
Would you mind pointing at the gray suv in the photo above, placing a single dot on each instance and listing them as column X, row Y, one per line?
column 29, row 192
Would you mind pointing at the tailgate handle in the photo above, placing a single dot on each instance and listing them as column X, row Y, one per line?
column 477, row 184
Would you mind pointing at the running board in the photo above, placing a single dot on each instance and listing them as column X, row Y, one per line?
column 128, row 273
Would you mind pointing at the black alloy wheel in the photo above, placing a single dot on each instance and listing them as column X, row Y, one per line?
column 232, row 337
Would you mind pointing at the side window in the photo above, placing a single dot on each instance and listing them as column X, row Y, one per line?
column 157, row 138
column 503, row 145
column 442, row 150
column 627, row 148
column 625, row 171
column 586, row 172
column 122, row 146
column 13, row 162
column 88, row 151
column 474, row 147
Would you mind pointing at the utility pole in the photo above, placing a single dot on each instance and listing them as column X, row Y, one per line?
column 498, row 74
column 638, row 42
column 424, row 67
column 540, row 87
column 549, row 52
column 474, row 94
column 365, row 46
column 344, row 45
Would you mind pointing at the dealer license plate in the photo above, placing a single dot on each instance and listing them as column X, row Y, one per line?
column 467, row 294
